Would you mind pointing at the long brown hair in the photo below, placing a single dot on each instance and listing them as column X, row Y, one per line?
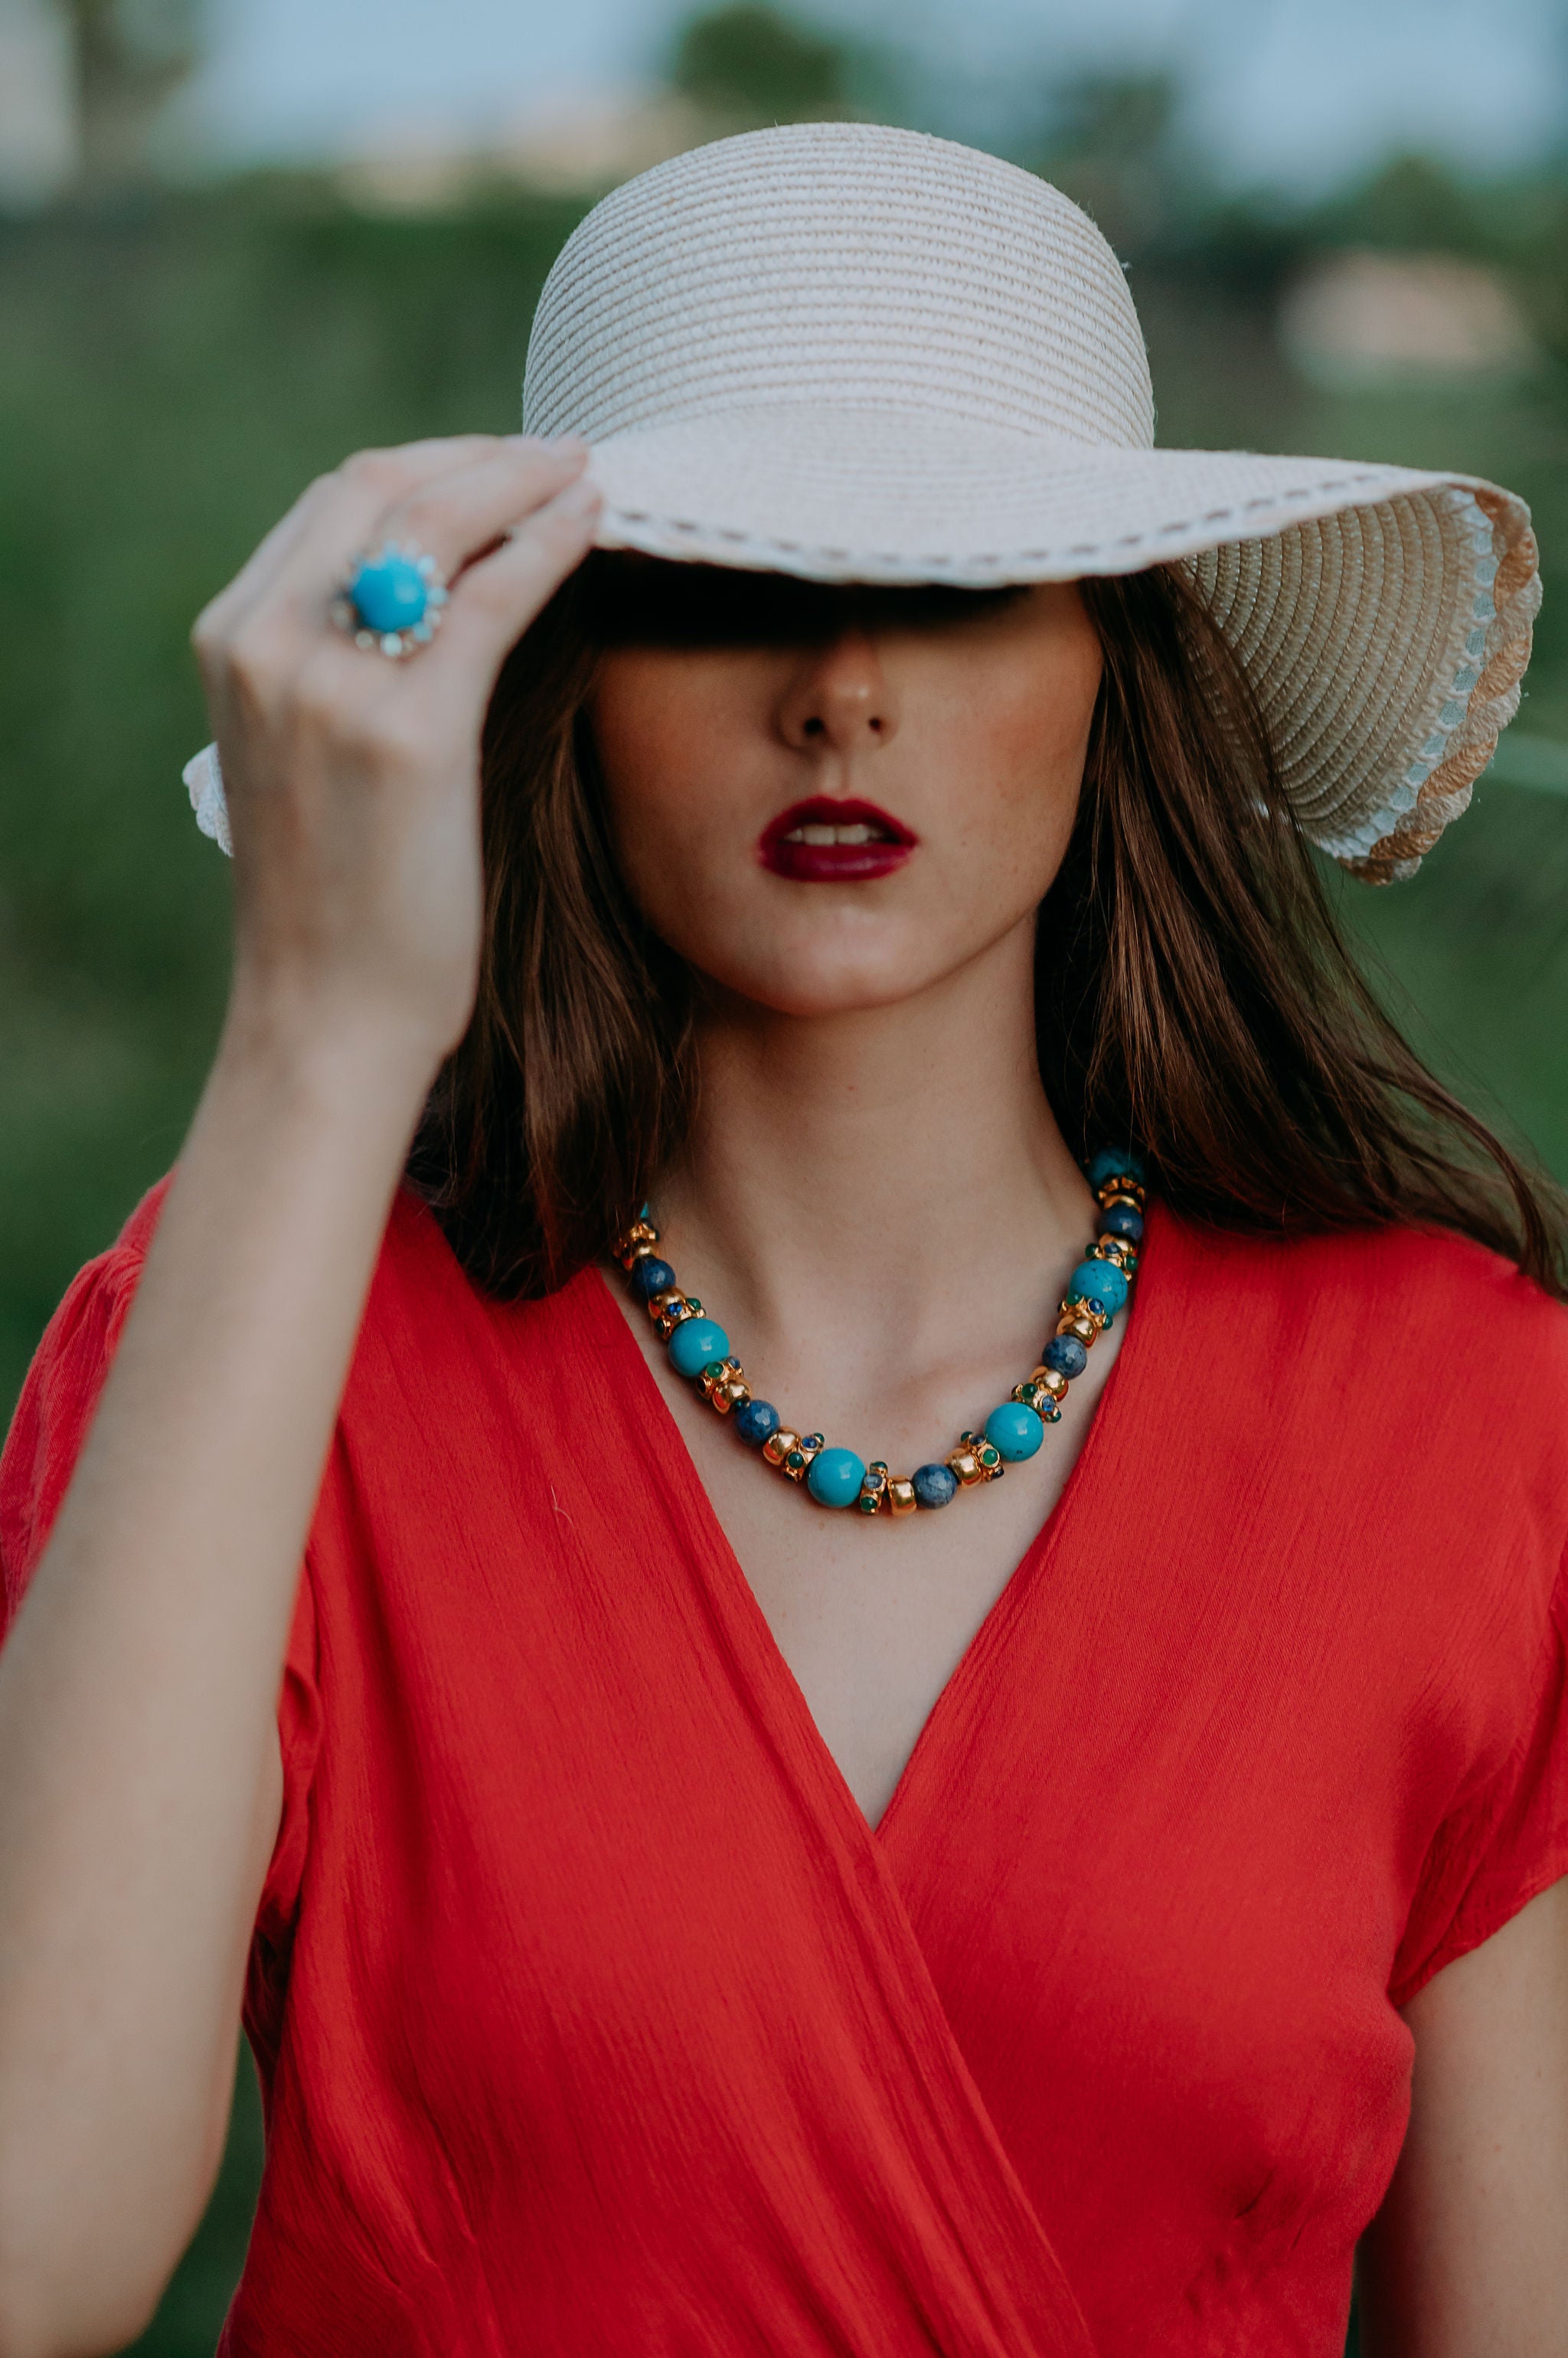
column 1194, row 997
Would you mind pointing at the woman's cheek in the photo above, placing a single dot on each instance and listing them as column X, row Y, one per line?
column 675, row 764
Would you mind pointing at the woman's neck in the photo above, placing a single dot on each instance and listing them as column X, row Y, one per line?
column 865, row 1180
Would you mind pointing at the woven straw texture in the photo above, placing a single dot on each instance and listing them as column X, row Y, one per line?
column 853, row 352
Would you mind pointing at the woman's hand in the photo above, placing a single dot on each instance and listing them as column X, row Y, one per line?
column 352, row 780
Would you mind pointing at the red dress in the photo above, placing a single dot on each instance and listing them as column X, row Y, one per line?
column 592, row 2014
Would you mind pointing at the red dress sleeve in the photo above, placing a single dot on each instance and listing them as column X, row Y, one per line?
column 53, row 1416
column 1506, row 1844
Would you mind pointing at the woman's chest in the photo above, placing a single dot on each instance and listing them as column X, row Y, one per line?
column 1148, row 1862
column 872, row 1615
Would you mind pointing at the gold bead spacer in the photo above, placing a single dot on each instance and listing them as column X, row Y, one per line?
column 902, row 1499
column 723, row 1385
column 1115, row 1193
column 637, row 1243
column 795, row 1462
column 674, row 1314
column 980, row 1456
column 873, row 1496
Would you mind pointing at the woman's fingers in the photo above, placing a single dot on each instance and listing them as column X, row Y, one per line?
column 450, row 497
column 456, row 517
column 336, row 505
column 442, row 497
column 497, row 597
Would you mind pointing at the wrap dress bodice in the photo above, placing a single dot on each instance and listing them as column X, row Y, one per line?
column 591, row 2013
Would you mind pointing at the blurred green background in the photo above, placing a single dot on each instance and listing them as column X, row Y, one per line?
column 176, row 361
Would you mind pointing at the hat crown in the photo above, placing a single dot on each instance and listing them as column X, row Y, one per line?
column 847, row 264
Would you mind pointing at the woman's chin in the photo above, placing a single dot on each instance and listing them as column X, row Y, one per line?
column 812, row 988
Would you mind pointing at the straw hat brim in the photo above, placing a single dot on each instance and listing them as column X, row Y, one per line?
column 1381, row 614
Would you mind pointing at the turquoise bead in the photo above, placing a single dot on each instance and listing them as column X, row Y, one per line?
column 834, row 1476
column 1014, row 1430
column 1099, row 1281
column 695, row 1342
column 389, row 593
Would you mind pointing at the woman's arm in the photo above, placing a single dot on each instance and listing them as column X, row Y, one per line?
column 1468, row 2255
column 139, row 1772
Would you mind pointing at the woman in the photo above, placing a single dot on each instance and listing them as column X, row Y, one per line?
column 671, row 1915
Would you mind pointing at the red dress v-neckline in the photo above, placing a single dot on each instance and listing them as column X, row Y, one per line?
column 769, row 1671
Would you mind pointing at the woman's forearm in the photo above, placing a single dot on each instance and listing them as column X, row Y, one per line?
column 139, row 1770
column 138, row 1762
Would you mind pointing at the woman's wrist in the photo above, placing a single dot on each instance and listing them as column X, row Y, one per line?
column 330, row 1057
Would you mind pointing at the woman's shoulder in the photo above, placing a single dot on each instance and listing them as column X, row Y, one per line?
column 1419, row 1350
column 1422, row 1286
column 425, row 1311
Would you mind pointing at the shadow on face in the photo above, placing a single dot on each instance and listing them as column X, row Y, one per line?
column 636, row 600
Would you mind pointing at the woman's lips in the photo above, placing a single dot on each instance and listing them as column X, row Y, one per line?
column 822, row 841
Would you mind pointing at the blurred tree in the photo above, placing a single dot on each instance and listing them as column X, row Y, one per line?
column 748, row 64
column 1108, row 142
column 1411, row 203
column 1415, row 204
column 130, row 56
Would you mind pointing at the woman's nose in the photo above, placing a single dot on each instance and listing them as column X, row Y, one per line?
column 838, row 699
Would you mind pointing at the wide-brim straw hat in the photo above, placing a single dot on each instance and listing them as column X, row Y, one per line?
column 858, row 353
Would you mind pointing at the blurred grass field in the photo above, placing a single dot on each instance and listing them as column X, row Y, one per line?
column 172, row 373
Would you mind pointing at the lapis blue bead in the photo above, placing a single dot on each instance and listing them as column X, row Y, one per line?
column 650, row 1276
column 1099, row 1281
column 934, row 1485
column 1109, row 1164
column 756, row 1423
column 1064, row 1356
column 1121, row 1220
column 1014, row 1432
column 834, row 1477
column 696, row 1341
column 389, row 593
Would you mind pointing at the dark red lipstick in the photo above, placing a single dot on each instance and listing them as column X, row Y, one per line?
column 825, row 841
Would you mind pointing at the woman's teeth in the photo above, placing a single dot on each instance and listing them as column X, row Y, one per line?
column 859, row 833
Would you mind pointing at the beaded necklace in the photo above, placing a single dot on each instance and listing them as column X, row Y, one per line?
column 699, row 1348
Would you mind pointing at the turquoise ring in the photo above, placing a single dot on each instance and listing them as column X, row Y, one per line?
column 393, row 601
